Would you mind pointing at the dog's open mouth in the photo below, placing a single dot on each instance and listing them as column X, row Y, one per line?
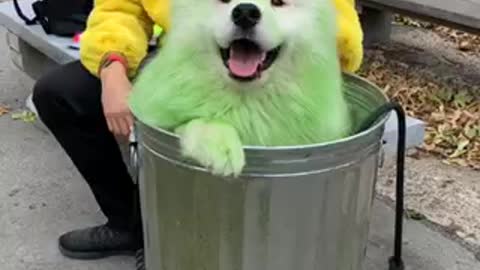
column 245, row 59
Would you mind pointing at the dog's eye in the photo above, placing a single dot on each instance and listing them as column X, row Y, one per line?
column 225, row 1
column 278, row 3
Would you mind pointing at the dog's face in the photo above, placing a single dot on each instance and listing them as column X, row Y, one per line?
column 251, row 40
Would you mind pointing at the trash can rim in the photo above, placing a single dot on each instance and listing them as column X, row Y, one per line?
column 350, row 138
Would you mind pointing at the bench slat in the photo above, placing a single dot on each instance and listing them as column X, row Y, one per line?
column 53, row 46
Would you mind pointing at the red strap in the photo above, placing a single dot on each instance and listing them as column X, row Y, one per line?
column 114, row 57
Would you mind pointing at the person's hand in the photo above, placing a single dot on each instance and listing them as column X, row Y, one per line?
column 115, row 90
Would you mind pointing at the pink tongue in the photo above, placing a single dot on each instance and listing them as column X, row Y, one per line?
column 244, row 63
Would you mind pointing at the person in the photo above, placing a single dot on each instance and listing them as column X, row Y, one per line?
column 84, row 105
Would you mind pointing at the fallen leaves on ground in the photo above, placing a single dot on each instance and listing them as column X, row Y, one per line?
column 415, row 215
column 25, row 116
column 4, row 110
column 463, row 41
column 451, row 112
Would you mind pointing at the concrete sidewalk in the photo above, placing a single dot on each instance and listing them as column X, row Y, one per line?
column 41, row 196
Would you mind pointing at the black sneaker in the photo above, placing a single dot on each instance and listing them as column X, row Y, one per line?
column 140, row 260
column 98, row 242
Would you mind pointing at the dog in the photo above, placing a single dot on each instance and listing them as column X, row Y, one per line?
column 232, row 73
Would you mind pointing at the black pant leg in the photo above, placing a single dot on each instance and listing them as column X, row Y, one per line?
column 68, row 101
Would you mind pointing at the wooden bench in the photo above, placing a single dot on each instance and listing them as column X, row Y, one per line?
column 376, row 15
column 34, row 52
column 31, row 50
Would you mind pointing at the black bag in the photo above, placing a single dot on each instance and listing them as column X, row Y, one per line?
column 59, row 17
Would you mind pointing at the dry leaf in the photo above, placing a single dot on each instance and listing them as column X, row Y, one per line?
column 465, row 45
column 4, row 110
column 462, row 98
column 25, row 116
column 460, row 148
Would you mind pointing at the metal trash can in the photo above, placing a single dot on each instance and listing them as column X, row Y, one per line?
column 294, row 208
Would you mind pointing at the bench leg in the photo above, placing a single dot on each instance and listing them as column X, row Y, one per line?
column 27, row 58
column 376, row 24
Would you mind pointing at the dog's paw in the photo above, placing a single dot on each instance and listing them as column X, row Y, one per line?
column 214, row 145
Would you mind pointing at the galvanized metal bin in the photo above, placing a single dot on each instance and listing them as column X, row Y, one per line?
column 294, row 208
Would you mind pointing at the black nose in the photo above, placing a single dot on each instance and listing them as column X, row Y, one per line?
column 246, row 15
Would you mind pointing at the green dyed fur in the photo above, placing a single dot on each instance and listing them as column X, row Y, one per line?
column 299, row 100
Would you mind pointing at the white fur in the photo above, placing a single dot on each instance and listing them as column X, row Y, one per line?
column 290, row 26
column 199, row 29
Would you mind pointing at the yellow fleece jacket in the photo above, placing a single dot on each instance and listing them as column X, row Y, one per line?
column 125, row 26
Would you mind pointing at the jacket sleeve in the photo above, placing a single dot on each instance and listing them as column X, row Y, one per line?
column 120, row 26
column 349, row 35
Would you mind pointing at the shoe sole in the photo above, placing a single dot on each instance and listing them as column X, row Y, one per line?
column 93, row 255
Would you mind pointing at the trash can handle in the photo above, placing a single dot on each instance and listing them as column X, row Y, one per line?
column 134, row 173
column 133, row 151
column 396, row 261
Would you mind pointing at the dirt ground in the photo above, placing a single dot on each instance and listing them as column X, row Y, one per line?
column 443, row 195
